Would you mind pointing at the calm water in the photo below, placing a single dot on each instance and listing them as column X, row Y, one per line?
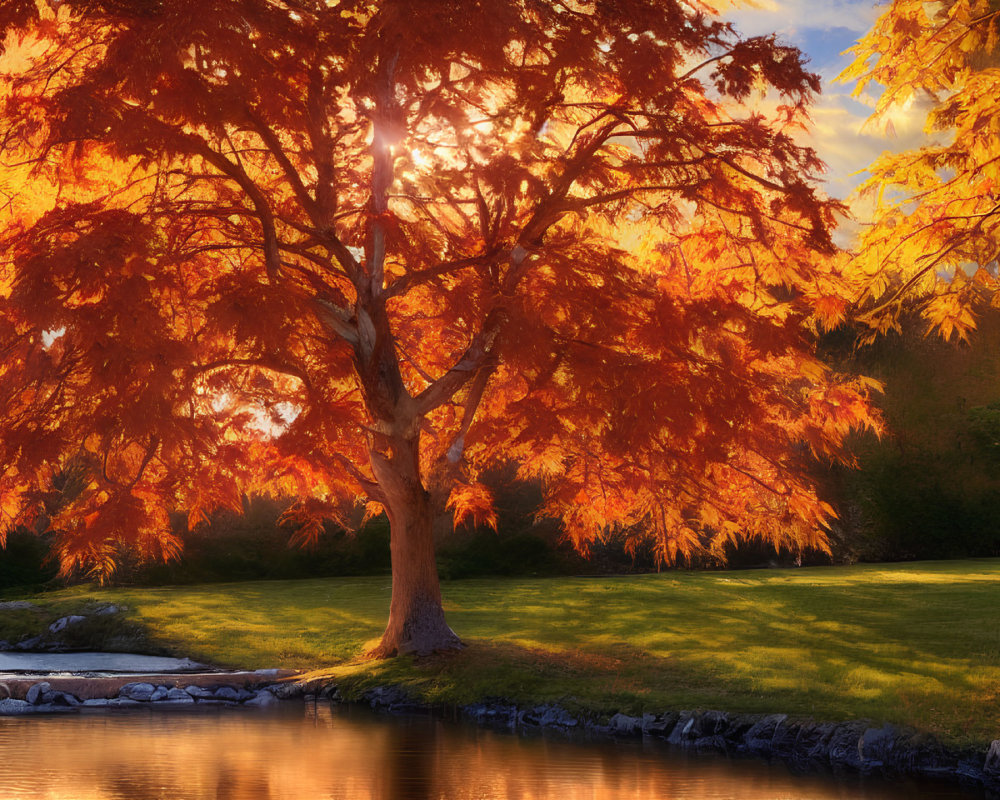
column 352, row 755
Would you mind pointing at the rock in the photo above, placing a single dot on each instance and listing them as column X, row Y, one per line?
column 683, row 728
column 489, row 713
column 178, row 696
column 57, row 698
column 63, row 623
column 123, row 702
column 877, row 747
column 992, row 765
column 845, row 745
column 814, row 742
column 737, row 727
column 785, row 741
column 333, row 695
column 691, row 726
column 547, row 716
column 758, row 739
column 227, row 693
column 288, row 691
column 198, row 692
column 107, row 610
column 262, row 699
column 624, row 725
column 711, row 723
column 659, row 724
column 927, row 756
column 716, row 743
column 143, row 692
column 799, row 753
column 390, row 698
column 969, row 771
column 4, row 645
column 9, row 707
column 37, row 690
column 165, row 704
column 96, row 702
column 243, row 695
column 160, row 694
column 28, row 644
column 17, row 605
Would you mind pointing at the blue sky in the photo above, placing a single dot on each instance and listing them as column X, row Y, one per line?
column 823, row 30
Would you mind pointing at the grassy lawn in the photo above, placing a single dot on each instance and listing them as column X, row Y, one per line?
column 915, row 644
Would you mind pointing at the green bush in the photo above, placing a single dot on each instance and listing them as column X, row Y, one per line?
column 252, row 546
column 930, row 488
column 24, row 562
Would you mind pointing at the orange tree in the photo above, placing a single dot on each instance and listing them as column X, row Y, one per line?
column 935, row 238
column 361, row 251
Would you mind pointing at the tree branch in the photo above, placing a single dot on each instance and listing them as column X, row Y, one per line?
column 419, row 276
column 262, row 209
column 382, row 168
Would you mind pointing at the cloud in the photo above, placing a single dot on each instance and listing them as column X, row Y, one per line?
column 841, row 132
column 848, row 142
column 792, row 17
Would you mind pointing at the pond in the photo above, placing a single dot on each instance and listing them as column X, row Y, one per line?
column 350, row 754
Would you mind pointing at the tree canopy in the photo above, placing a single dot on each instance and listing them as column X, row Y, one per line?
column 935, row 239
column 363, row 251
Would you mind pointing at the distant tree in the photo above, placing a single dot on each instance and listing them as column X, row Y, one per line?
column 936, row 234
column 362, row 251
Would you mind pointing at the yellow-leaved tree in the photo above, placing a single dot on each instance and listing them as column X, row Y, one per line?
column 935, row 238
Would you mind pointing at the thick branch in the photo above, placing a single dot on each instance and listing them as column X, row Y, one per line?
column 322, row 148
column 382, row 167
column 472, row 402
column 262, row 208
column 314, row 211
column 420, row 276
column 468, row 365
column 270, row 139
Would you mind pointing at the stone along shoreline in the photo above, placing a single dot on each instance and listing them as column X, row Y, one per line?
column 805, row 745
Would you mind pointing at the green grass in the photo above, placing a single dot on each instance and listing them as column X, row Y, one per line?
column 915, row 644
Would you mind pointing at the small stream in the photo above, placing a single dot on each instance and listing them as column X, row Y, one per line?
column 334, row 753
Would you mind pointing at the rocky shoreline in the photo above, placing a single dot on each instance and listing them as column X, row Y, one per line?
column 59, row 693
column 805, row 745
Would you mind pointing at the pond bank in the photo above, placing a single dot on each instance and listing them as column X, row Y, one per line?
column 53, row 692
column 805, row 745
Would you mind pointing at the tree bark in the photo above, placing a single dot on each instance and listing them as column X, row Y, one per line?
column 416, row 614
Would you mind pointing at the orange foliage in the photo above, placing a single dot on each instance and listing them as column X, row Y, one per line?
column 289, row 246
column 473, row 501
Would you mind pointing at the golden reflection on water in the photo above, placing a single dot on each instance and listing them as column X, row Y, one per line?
column 325, row 754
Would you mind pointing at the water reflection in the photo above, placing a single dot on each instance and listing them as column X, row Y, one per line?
column 325, row 754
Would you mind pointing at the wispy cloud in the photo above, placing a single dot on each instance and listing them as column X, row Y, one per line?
column 791, row 17
column 841, row 134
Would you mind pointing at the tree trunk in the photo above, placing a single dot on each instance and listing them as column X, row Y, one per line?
column 416, row 615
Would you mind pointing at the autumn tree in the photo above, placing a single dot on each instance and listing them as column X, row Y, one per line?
column 361, row 251
column 935, row 238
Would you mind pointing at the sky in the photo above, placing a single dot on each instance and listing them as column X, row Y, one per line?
column 823, row 30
